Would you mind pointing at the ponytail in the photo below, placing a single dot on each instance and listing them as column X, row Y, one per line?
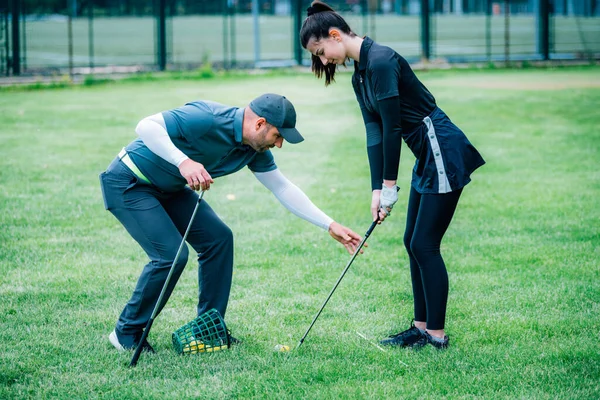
column 317, row 7
column 320, row 18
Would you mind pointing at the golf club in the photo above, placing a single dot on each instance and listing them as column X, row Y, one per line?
column 138, row 349
column 373, row 225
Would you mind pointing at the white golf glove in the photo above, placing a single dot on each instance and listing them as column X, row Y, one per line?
column 389, row 197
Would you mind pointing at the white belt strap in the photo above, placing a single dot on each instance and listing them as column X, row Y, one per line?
column 444, row 184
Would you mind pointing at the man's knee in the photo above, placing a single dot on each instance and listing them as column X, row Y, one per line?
column 218, row 237
column 223, row 236
column 167, row 261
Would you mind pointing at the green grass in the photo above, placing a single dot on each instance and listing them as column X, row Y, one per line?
column 192, row 39
column 522, row 252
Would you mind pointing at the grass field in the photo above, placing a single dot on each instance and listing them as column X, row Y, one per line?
column 127, row 41
column 523, row 251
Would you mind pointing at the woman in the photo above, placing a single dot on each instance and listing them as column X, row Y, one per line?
column 396, row 106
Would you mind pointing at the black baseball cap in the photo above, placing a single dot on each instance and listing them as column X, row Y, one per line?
column 279, row 112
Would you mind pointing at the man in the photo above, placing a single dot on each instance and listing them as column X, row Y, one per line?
column 145, row 189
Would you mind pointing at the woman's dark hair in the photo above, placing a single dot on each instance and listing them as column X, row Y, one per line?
column 320, row 19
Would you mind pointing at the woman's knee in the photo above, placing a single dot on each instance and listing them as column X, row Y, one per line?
column 422, row 250
column 407, row 241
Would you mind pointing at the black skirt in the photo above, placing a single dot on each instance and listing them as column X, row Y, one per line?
column 445, row 157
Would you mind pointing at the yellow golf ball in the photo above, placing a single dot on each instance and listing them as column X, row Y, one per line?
column 215, row 348
column 195, row 346
column 282, row 348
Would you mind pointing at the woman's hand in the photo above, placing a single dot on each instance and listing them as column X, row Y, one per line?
column 376, row 211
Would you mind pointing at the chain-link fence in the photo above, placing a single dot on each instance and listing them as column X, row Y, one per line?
column 180, row 34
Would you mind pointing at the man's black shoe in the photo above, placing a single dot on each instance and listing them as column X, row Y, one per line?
column 232, row 340
column 147, row 348
column 405, row 338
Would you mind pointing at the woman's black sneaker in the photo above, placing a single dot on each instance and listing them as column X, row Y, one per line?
column 405, row 338
column 428, row 339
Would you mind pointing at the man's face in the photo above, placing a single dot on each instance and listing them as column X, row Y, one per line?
column 266, row 137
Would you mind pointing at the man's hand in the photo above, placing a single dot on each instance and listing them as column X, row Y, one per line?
column 195, row 174
column 345, row 236
column 376, row 210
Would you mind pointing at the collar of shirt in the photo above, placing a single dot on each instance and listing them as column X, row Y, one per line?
column 237, row 125
column 364, row 53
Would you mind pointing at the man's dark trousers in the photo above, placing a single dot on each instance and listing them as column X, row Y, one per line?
column 157, row 221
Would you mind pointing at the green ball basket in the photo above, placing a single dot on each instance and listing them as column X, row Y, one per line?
column 205, row 334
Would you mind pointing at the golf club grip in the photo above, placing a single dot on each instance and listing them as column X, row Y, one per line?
column 370, row 230
column 367, row 234
column 139, row 347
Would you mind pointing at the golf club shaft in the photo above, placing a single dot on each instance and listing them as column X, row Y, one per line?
column 373, row 225
column 138, row 349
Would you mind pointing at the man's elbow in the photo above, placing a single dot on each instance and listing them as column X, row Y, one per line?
column 141, row 127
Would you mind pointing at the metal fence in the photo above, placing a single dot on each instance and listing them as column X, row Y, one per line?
column 3, row 41
column 84, row 35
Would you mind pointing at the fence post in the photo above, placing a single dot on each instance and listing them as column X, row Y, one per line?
column 70, row 42
column 373, row 14
column 23, row 30
column 506, row 32
column 256, row 26
column 162, row 35
column 488, row 30
column 297, row 13
column 364, row 10
column 232, row 34
column 425, row 30
column 91, row 34
column 543, row 29
column 225, row 35
column 16, row 46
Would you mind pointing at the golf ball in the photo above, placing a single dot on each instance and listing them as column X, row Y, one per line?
column 282, row 347
column 195, row 346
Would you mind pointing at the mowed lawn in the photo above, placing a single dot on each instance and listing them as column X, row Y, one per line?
column 523, row 251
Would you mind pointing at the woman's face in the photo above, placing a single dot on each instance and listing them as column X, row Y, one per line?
column 330, row 50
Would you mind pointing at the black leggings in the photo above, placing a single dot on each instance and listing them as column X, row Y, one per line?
column 427, row 219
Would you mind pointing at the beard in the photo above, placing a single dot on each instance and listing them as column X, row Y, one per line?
column 260, row 145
